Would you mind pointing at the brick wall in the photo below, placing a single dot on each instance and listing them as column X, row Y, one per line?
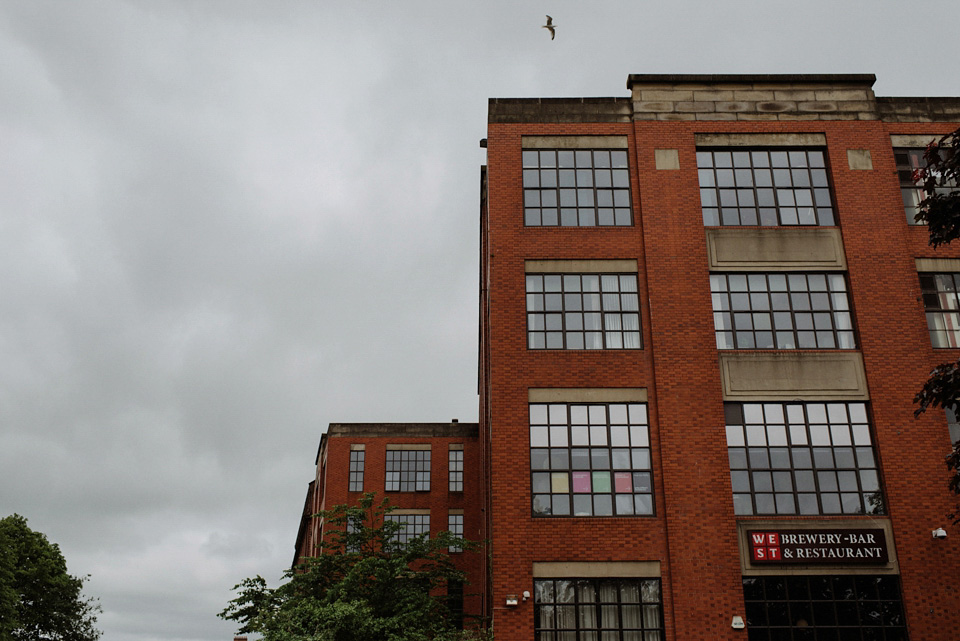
column 333, row 483
column 694, row 534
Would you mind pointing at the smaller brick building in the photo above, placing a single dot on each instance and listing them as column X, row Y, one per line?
column 430, row 472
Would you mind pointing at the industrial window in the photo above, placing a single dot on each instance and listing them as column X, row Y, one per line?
column 909, row 160
column 455, row 602
column 455, row 527
column 953, row 424
column 781, row 311
column 411, row 526
column 583, row 311
column 802, row 458
column 356, row 470
column 455, row 470
column 941, row 301
column 576, row 188
column 590, row 459
column 597, row 609
column 408, row 471
column 817, row 608
column 766, row 187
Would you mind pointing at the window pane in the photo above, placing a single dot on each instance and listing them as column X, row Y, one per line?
column 408, row 471
column 739, row 181
column 619, row 609
column 586, row 311
column 783, row 311
column 823, row 607
column 582, row 186
column 598, row 456
column 778, row 473
column 939, row 292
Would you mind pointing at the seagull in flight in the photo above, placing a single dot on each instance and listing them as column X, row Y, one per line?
column 550, row 27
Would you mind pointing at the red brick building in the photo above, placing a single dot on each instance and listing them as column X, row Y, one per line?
column 430, row 472
column 705, row 311
column 704, row 316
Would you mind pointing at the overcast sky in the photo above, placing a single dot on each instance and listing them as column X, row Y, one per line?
column 226, row 224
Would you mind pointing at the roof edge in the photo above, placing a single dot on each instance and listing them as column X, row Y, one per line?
column 772, row 78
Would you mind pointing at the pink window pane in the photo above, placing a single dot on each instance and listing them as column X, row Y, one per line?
column 581, row 481
column 623, row 482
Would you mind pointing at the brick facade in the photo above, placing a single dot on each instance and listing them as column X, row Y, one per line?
column 691, row 554
column 694, row 534
column 331, row 486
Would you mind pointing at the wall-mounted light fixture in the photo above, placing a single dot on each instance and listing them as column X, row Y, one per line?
column 737, row 623
column 526, row 595
column 939, row 533
column 512, row 599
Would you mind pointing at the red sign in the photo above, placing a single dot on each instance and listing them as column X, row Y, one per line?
column 820, row 547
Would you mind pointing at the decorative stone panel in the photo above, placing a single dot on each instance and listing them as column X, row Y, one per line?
column 790, row 376
column 775, row 249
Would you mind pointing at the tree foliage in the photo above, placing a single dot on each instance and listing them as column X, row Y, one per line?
column 940, row 178
column 39, row 600
column 363, row 585
column 940, row 210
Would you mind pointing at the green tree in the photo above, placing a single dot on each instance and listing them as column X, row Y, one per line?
column 363, row 585
column 940, row 210
column 39, row 600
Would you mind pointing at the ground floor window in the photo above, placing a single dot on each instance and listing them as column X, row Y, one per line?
column 598, row 610
column 824, row 608
column 455, row 602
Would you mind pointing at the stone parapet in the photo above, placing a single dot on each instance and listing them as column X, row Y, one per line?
column 919, row 109
column 765, row 97
column 753, row 97
column 560, row 110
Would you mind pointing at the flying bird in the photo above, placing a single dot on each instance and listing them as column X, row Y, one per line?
column 549, row 27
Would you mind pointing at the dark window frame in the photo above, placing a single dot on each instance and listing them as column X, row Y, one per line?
column 455, row 471
column 576, row 188
column 357, row 462
column 855, row 607
column 765, row 186
column 583, row 311
column 782, row 310
column 455, row 527
column 942, row 308
column 583, row 455
column 802, row 459
column 407, row 471
column 413, row 525
column 580, row 609
column 909, row 160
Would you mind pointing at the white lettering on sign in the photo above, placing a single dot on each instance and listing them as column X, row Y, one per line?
column 819, row 546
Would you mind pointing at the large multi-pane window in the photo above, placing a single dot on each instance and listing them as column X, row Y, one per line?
column 909, row 160
column 802, row 458
column 590, row 459
column 597, row 610
column 766, row 187
column 941, row 301
column 455, row 470
column 411, row 525
column 583, row 311
column 576, row 188
column 824, row 608
column 356, row 470
column 781, row 311
column 408, row 471
column 455, row 527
